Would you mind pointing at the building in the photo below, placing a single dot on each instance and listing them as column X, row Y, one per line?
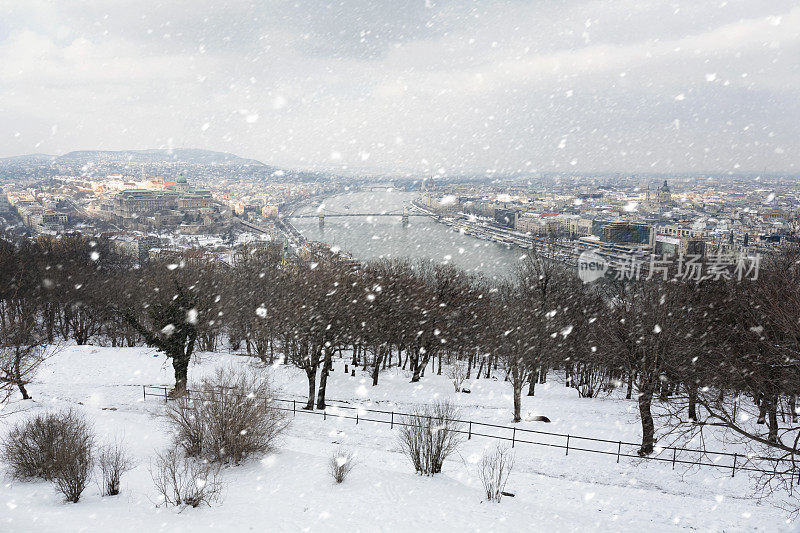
column 5, row 205
column 269, row 210
column 132, row 206
column 661, row 199
column 137, row 247
column 506, row 217
column 622, row 232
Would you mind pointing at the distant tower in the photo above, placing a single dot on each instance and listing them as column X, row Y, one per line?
column 661, row 199
column 664, row 195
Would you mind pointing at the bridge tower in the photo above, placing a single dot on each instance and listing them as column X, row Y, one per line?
column 405, row 216
column 321, row 220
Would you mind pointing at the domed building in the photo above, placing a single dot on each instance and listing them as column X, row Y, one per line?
column 661, row 199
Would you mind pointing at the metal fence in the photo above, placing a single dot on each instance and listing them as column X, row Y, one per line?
column 735, row 462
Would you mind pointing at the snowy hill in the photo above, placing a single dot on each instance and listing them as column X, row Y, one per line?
column 291, row 490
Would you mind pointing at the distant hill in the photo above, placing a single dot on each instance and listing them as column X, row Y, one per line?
column 28, row 158
column 167, row 163
column 178, row 155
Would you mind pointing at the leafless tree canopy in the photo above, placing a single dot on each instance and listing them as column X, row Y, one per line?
column 695, row 355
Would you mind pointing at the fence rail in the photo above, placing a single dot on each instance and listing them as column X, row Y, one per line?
column 735, row 462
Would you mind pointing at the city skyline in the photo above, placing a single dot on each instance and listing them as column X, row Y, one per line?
column 414, row 87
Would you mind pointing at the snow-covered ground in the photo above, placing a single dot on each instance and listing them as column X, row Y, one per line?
column 291, row 489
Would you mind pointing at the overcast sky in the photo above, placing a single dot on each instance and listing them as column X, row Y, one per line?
column 411, row 86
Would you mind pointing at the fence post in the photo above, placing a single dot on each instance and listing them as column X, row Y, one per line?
column 619, row 449
column 469, row 436
column 356, row 415
column 674, row 451
column 567, row 444
column 513, row 437
column 391, row 424
column 325, row 414
column 165, row 395
column 144, row 393
column 733, row 470
column 294, row 407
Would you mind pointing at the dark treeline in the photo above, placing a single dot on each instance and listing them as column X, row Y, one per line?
column 718, row 353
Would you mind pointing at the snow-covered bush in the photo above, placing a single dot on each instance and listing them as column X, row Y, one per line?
column 113, row 461
column 429, row 434
column 184, row 417
column 229, row 417
column 74, row 460
column 185, row 481
column 341, row 463
column 35, row 447
column 494, row 469
column 457, row 372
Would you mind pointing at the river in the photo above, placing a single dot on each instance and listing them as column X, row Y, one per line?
column 378, row 237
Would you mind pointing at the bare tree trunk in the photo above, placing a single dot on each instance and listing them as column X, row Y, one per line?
column 692, row 403
column 532, row 379
column 762, row 409
column 419, row 366
column 180, row 364
column 376, row 368
column 648, row 427
column 772, row 409
column 311, row 374
column 323, row 378
column 517, row 383
column 18, row 375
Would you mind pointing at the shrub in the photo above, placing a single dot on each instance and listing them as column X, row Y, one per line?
column 429, row 434
column 35, row 447
column 341, row 463
column 494, row 469
column 74, row 462
column 113, row 461
column 457, row 372
column 228, row 418
column 185, row 481
column 184, row 417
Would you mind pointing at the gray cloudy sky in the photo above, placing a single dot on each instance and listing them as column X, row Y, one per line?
column 411, row 86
